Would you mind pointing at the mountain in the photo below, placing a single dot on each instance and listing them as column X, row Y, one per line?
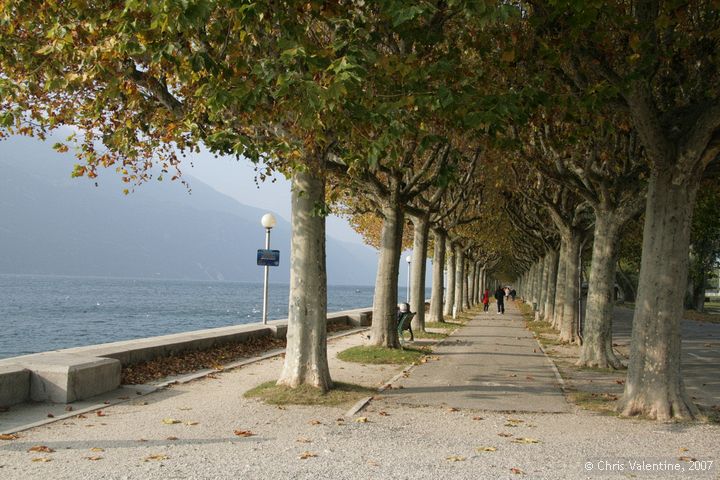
column 52, row 224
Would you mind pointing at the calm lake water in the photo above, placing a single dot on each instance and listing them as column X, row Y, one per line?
column 39, row 313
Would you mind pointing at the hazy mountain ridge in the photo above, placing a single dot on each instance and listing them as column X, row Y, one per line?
column 52, row 224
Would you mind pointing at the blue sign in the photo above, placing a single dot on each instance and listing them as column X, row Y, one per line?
column 268, row 258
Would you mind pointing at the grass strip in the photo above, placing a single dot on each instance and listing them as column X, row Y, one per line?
column 382, row 355
column 340, row 394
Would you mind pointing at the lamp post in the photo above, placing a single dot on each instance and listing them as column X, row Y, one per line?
column 408, row 259
column 268, row 221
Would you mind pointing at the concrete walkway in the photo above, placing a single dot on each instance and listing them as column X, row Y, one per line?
column 493, row 363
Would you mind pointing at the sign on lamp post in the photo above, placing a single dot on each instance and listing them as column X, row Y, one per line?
column 267, row 258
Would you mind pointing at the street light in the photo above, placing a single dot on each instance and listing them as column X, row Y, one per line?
column 408, row 259
column 268, row 221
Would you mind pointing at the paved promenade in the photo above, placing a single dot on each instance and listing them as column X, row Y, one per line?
column 493, row 363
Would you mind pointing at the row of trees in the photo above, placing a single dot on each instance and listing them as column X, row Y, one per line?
column 510, row 131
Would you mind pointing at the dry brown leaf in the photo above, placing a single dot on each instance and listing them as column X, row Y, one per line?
column 8, row 436
column 100, row 413
column 303, row 440
column 503, row 434
column 361, row 420
column 141, row 440
column 486, row 449
column 315, row 422
column 383, row 414
column 687, row 459
column 455, row 458
column 525, row 440
column 170, row 421
column 517, row 471
column 453, row 409
column 97, row 457
column 306, row 455
column 40, row 448
column 157, row 456
column 50, row 415
column 192, row 423
column 42, row 459
column 97, row 449
column 185, row 408
column 243, row 433
column 172, row 438
column 80, row 415
column 477, row 418
column 683, row 449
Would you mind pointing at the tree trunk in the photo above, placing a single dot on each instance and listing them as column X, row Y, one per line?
column 471, row 284
column 459, row 274
column 568, row 320
column 384, row 319
column 551, row 285
column 467, row 285
column 596, row 350
column 539, row 272
column 543, row 285
column 436, row 297
column 560, row 287
column 654, row 385
column 418, row 271
column 450, row 291
column 306, row 352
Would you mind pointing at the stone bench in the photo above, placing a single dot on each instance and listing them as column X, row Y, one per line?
column 14, row 384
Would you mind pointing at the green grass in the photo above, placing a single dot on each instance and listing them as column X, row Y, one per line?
column 432, row 335
column 540, row 327
column 598, row 402
column 382, row 355
column 341, row 394
column 447, row 325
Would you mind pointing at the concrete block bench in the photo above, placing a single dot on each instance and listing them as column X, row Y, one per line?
column 14, row 384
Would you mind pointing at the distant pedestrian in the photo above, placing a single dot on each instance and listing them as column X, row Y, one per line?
column 486, row 300
column 507, row 293
column 500, row 297
column 512, row 294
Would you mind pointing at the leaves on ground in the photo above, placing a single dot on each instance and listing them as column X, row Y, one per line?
column 192, row 361
column 192, row 423
column 172, row 438
column 170, row 421
column 97, row 449
column 383, row 414
column 361, row 420
column 243, row 433
column 41, row 448
column 525, row 440
column 100, row 413
column 505, row 434
column 453, row 409
column 94, row 458
column 687, row 459
column 42, row 459
column 486, row 449
column 477, row 418
column 455, row 458
column 306, row 455
column 315, row 422
column 156, row 457
column 517, row 471
column 303, row 440
column 8, row 436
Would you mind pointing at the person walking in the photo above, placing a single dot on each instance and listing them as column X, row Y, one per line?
column 486, row 300
column 500, row 298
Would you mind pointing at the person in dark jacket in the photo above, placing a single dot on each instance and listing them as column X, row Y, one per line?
column 500, row 297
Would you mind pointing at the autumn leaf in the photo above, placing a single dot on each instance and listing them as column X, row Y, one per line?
column 383, row 414
column 525, row 440
column 97, row 449
column 455, row 458
column 503, row 434
column 243, row 433
column 687, row 459
column 170, row 421
column 361, row 420
column 8, row 436
column 97, row 457
column 192, row 423
column 303, row 440
column 42, row 459
column 684, row 449
column 156, row 457
column 100, row 413
column 315, row 422
column 477, row 418
column 517, row 471
column 453, row 409
column 306, row 455
column 171, row 438
column 486, row 449
column 40, row 448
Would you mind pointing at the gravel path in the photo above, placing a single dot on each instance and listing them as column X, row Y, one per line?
column 396, row 441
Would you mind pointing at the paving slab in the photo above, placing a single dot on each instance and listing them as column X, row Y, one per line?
column 492, row 363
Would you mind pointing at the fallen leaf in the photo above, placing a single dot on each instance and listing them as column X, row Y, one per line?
column 97, row 457
column 511, row 424
column 687, row 459
column 529, row 377
column 40, row 448
column 42, row 459
column 512, row 375
column 68, row 408
column 373, row 463
column 683, row 449
column 50, row 415
column 315, row 422
column 486, row 449
column 172, row 438
column 107, row 402
column 453, row 409
column 243, row 433
column 503, row 434
column 361, row 420
column 8, row 436
column 303, row 440
column 170, row 421
column 383, row 414
column 192, row 423
column 157, row 456
column 100, row 413
column 455, row 458
column 525, row 440
column 306, row 455
column 185, row 408
column 124, row 397
column 517, row 471
column 141, row 440
column 97, row 449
